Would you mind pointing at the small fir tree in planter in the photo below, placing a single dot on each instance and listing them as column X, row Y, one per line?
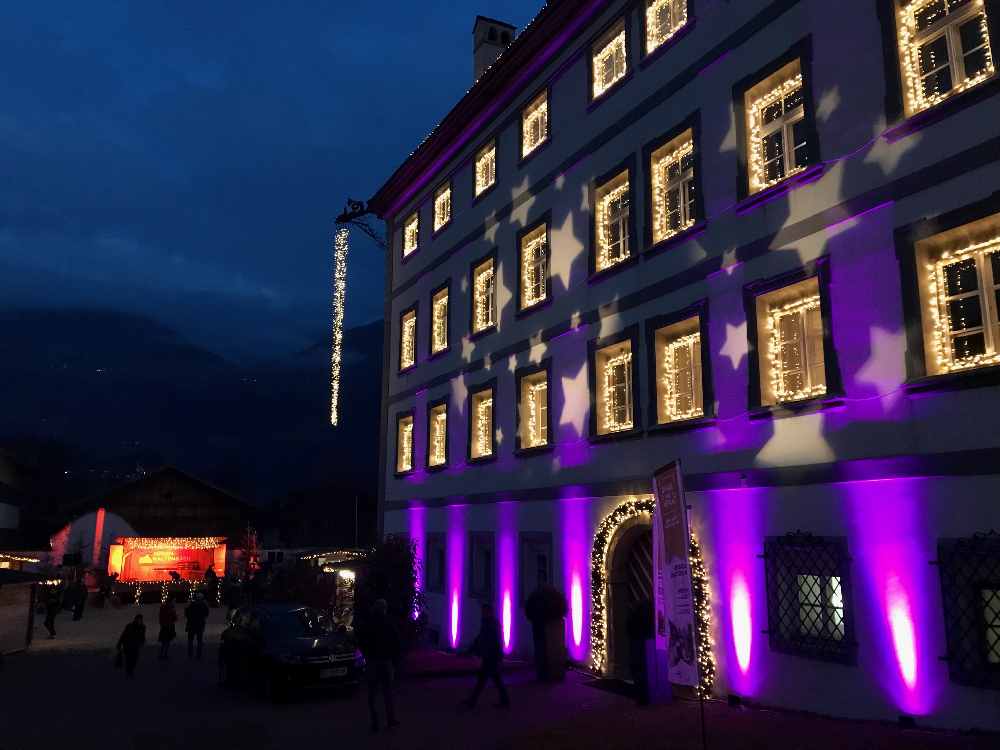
column 546, row 609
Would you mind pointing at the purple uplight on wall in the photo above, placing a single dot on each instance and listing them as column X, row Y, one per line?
column 419, row 538
column 456, row 567
column 575, row 555
column 507, row 558
column 891, row 546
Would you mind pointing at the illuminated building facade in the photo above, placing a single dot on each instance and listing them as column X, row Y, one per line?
column 770, row 239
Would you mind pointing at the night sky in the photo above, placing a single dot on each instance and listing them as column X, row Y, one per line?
column 185, row 160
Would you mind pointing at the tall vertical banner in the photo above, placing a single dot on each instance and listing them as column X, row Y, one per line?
column 675, row 626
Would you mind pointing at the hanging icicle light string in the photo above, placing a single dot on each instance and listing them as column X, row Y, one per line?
column 341, row 245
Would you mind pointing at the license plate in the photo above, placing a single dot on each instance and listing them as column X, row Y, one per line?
column 336, row 672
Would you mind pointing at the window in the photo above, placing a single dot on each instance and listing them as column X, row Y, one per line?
column 673, row 194
column 484, row 293
column 614, row 375
column 808, row 602
column 535, row 124
column 437, row 434
column 536, row 561
column 534, row 410
column 612, row 222
column 664, row 18
column 778, row 131
column 439, row 320
column 944, row 49
column 970, row 597
column 534, row 266
column 481, row 431
column 959, row 276
column 679, row 390
column 411, row 234
column 486, row 167
column 442, row 206
column 404, row 443
column 434, row 566
column 481, row 547
column 791, row 353
column 408, row 339
column 610, row 60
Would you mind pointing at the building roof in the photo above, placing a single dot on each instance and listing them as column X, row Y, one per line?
column 556, row 25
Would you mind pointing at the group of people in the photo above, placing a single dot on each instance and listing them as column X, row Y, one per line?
column 71, row 596
column 133, row 637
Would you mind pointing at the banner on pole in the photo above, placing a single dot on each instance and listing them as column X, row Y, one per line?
column 675, row 626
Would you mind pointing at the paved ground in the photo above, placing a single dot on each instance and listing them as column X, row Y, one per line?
column 65, row 693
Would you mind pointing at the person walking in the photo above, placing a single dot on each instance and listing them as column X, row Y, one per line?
column 168, row 626
column 79, row 598
column 379, row 643
column 53, row 605
column 489, row 648
column 212, row 585
column 130, row 643
column 196, row 615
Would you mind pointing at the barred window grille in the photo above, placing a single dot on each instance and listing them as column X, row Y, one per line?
column 808, row 597
column 970, row 594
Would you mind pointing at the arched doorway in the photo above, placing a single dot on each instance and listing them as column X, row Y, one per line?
column 630, row 580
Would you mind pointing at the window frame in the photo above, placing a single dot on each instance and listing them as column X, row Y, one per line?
column 820, row 269
column 400, row 370
column 693, row 123
column 431, row 407
column 450, row 187
column 405, row 256
column 648, row 55
column 599, row 41
column 653, row 326
column 478, row 539
column 446, row 288
column 491, row 386
column 526, row 538
column 493, row 140
column 802, row 52
column 545, row 220
column 519, row 375
column 594, row 348
column 400, row 417
column 492, row 255
column 523, row 157
column 778, row 547
column 594, row 187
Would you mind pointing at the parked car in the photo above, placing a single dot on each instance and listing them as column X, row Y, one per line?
column 275, row 647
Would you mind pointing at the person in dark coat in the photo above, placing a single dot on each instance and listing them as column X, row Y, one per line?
column 53, row 605
column 489, row 647
column 168, row 626
column 132, row 639
column 196, row 615
column 639, row 627
column 79, row 599
column 379, row 643
column 212, row 585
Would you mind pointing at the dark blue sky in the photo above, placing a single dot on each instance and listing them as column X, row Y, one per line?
column 184, row 160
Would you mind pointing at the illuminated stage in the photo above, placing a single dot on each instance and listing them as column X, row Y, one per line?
column 149, row 559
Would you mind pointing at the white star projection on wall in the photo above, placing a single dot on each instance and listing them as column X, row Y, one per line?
column 735, row 346
column 576, row 401
column 521, row 211
column 566, row 248
column 828, row 103
column 885, row 368
column 459, row 393
column 888, row 155
column 796, row 442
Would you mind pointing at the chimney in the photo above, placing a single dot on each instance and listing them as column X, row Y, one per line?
column 489, row 38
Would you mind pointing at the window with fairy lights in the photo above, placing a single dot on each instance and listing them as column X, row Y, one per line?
column 664, row 18
column 486, row 167
column 404, row 443
column 674, row 203
column 677, row 352
column 778, row 126
column 534, row 263
column 944, row 49
column 442, row 206
column 437, row 434
column 408, row 339
column 609, row 60
column 809, row 597
column 411, row 234
column 959, row 278
column 533, row 407
column 612, row 222
column 482, row 435
column 439, row 319
column 535, row 124
column 484, row 295
column 613, row 383
column 970, row 598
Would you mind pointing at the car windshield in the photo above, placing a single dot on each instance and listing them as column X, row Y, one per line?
column 301, row 622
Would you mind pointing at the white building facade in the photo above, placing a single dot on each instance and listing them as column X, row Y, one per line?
column 761, row 238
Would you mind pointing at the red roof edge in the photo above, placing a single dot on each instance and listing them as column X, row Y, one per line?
column 548, row 33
